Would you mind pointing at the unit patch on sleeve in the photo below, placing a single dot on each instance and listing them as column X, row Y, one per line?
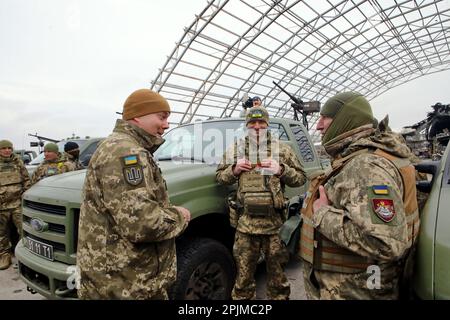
column 132, row 170
column 384, row 208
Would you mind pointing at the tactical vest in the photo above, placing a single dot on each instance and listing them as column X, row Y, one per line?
column 9, row 174
column 258, row 194
column 54, row 168
column 324, row 254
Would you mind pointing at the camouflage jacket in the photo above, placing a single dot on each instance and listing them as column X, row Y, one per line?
column 127, row 229
column 292, row 175
column 51, row 168
column 74, row 161
column 350, row 221
column 14, row 181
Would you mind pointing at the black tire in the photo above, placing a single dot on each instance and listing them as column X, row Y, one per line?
column 206, row 271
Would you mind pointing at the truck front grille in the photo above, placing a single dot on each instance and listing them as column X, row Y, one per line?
column 44, row 207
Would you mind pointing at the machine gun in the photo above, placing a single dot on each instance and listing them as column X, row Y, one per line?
column 41, row 139
column 304, row 108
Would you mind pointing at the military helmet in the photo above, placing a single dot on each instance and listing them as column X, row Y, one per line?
column 257, row 113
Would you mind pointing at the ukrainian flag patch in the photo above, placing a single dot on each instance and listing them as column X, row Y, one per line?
column 382, row 189
column 130, row 160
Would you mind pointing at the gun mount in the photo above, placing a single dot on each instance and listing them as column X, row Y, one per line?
column 299, row 106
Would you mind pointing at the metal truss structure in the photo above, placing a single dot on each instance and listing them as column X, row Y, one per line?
column 312, row 48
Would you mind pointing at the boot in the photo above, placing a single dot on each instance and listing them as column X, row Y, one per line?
column 5, row 261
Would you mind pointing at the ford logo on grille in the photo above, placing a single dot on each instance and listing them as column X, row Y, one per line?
column 38, row 225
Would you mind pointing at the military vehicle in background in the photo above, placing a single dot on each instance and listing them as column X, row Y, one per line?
column 429, row 137
column 26, row 155
column 188, row 160
column 87, row 149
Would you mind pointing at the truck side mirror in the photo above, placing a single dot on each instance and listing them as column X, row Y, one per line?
column 428, row 167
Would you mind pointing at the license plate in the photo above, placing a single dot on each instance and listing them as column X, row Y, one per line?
column 42, row 249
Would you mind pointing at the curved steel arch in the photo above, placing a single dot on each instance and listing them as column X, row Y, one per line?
column 314, row 48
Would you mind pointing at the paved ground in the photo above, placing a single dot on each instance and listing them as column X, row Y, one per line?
column 12, row 288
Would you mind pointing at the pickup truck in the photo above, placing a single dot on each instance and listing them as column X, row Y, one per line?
column 206, row 270
column 432, row 265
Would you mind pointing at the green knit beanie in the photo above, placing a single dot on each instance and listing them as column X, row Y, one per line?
column 51, row 147
column 349, row 110
column 5, row 144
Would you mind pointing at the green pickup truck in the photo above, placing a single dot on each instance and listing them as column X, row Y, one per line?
column 432, row 269
column 51, row 208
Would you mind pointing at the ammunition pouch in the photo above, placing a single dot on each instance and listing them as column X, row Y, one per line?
column 258, row 203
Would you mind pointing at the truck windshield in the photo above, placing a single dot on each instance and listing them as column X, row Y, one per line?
column 203, row 141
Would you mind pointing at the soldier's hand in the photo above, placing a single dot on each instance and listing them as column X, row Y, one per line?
column 322, row 201
column 242, row 165
column 185, row 212
column 272, row 165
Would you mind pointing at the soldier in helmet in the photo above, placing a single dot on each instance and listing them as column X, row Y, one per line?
column 72, row 152
column 127, row 230
column 262, row 166
column 360, row 219
column 55, row 163
column 14, row 181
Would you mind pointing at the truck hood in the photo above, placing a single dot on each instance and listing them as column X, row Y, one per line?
column 172, row 172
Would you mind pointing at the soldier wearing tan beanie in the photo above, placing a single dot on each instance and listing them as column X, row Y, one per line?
column 124, row 183
column 142, row 102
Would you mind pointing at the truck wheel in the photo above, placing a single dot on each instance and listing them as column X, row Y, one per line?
column 206, row 271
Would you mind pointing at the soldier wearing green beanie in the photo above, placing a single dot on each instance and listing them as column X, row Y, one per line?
column 55, row 163
column 361, row 216
column 14, row 181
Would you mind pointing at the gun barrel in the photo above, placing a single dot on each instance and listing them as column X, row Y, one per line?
column 297, row 101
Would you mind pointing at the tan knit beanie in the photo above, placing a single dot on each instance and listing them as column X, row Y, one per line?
column 143, row 102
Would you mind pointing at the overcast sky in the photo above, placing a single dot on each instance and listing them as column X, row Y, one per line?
column 67, row 66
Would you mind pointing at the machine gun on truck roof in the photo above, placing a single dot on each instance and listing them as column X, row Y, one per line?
column 299, row 106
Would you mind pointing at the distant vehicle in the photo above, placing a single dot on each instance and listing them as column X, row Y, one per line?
column 26, row 155
column 87, row 149
column 206, row 268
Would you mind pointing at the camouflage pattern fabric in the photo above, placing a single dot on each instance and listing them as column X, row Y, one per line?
column 52, row 167
column 14, row 181
column 246, row 252
column 6, row 217
column 74, row 161
column 292, row 175
column 349, row 220
column 256, row 234
column 127, row 229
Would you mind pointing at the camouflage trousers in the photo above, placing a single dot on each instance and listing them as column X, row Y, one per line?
column 246, row 251
column 8, row 219
column 326, row 285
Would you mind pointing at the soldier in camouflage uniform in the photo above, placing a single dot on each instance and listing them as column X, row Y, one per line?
column 14, row 181
column 72, row 153
column 55, row 163
column 262, row 166
column 127, row 229
column 360, row 218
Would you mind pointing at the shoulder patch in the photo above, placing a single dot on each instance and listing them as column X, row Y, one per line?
column 133, row 175
column 384, row 208
column 380, row 189
column 130, row 160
